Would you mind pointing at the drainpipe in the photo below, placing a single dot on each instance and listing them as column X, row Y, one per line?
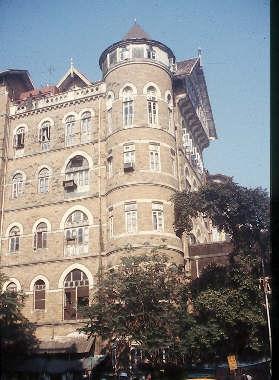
column 5, row 158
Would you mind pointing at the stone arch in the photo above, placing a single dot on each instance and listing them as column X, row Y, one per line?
column 71, row 210
column 14, row 224
column 41, row 220
column 72, row 267
column 128, row 84
column 39, row 277
column 152, row 84
column 12, row 279
column 77, row 153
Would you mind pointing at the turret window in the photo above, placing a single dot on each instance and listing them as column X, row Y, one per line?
column 157, row 216
column 151, row 54
column 128, row 107
column 152, row 105
column 154, row 156
column 131, row 217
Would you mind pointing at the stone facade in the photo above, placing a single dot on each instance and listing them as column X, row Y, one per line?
column 88, row 171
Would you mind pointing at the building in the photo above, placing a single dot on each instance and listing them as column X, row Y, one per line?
column 88, row 170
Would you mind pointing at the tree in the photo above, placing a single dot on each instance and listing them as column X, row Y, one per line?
column 241, row 212
column 137, row 303
column 228, row 307
column 17, row 333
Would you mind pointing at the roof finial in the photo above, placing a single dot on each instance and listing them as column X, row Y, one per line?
column 135, row 20
column 72, row 67
column 200, row 55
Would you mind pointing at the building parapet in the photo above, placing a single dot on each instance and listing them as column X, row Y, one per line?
column 34, row 103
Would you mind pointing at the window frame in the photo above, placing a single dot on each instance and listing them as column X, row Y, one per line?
column 131, row 217
column 85, row 127
column 14, row 240
column 39, row 289
column 154, row 157
column 157, row 216
column 70, row 134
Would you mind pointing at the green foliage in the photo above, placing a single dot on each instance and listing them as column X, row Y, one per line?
column 17, row 333
column 138, row 302
column 241, row 212
column 229, row 315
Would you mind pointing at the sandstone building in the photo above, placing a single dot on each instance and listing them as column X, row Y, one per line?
column 88, row 170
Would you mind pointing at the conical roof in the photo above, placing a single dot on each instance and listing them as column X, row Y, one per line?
column 136, row 32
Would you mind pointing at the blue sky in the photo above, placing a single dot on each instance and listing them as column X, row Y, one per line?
column 233, row 36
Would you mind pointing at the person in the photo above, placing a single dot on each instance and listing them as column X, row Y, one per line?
column 248, row 377
column 148, row 377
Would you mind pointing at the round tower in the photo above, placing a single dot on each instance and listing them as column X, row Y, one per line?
column 141, row 145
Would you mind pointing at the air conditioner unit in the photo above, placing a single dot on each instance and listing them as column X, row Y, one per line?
column 128, row 166
column 69, row 184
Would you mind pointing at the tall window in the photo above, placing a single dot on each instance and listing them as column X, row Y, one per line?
column 43, row 181
column 14, row 235
column 157, row 216
column 129, row 156
column 39, row 295
column 154, row 156
column 131, row 217
column 173, row 162
column 152, row 105
column 19, row 138
column 124, row 54
column 85, row 127
column 109, row 167
column 78, row 171
column 45, row 135
column 76, row 234
column 109, row 112
column 110, row 223
column 70, row 131
column 40, row 237
column 76, row 294
column 128, row 107
column 17, row 185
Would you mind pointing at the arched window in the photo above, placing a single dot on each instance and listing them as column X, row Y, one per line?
column 40, row 237
column 14, row 235
column 77, row 171
column 152, row 105
column 11, row 287
column 85, row 127
column 128, row 107
column 45, row 135
column 76, row 234
column 192, row 239
column 17, row 185
column 43, row 181
column 70, row 130
column 19, row 138
column 39, row 295
column 76, row 294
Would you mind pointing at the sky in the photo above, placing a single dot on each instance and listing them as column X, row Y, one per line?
column 42, row 36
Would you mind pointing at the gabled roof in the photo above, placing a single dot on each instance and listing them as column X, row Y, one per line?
column 136, row 32
column 186, row 67
column 23, row 74
column 72, row 75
